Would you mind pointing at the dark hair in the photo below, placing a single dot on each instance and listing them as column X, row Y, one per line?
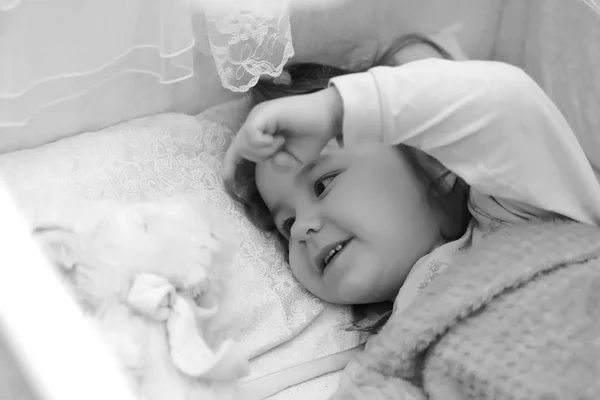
column 308, row 78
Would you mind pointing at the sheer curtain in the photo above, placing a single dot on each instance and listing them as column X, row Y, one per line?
column 52, row 51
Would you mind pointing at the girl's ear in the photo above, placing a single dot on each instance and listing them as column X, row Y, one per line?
column 62, row 246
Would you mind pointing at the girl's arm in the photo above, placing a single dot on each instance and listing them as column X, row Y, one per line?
column 487, row 122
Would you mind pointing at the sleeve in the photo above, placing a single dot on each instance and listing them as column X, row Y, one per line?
column 488, row 122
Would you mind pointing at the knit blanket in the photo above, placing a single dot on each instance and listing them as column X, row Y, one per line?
column 517, row 316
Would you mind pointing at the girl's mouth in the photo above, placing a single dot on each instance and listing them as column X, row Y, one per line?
column 333, row 253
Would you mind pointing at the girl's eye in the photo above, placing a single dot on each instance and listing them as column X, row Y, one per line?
column 322, row 183
column 286, row 227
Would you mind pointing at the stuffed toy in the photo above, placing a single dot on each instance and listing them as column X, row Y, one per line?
column 150, row 276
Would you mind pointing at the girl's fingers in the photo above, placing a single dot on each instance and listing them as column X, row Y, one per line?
column 233, row 156
column 278, row 142
column 230, row 162
column 258, row 138
column 244, row 148
column 260, row 149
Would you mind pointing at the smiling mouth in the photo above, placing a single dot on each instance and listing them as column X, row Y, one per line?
column 333, row 253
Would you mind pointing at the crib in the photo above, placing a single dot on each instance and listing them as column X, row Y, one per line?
column 138, row 100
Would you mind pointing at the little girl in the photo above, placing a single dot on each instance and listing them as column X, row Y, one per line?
column 346, row 173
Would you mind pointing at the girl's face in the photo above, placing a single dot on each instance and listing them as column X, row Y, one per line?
column 356, row 221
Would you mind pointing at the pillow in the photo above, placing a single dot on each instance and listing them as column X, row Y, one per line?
column 353, row 33
column 278, row 323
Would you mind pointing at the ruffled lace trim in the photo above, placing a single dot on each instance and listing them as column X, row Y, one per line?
column 248, row 40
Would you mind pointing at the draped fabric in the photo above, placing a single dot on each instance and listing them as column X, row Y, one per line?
column 53, row 51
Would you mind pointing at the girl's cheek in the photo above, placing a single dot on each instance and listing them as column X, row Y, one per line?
column 303, row 270
column 297, row 263
column 352, row 288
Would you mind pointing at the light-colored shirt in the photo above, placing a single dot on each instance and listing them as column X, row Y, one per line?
column 487, row 122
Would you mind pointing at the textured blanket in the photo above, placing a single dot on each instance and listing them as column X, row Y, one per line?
column 516, row 317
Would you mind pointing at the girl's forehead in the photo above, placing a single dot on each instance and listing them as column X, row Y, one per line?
column 332, row 147
column 266, row 172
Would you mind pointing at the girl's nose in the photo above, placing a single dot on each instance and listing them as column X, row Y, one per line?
column 305, row 225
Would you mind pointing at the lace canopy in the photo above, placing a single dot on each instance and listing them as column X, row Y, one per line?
column 53, row 51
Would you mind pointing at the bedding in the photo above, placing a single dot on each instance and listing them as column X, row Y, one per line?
column 517, row 317
column 277, row 322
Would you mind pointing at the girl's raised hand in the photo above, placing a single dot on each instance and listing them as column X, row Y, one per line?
column 289, row 130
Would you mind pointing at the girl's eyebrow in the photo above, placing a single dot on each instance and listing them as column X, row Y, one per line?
column 307, row 169
column 304, row 171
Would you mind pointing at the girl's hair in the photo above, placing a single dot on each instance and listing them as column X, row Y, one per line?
column 308, row 78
